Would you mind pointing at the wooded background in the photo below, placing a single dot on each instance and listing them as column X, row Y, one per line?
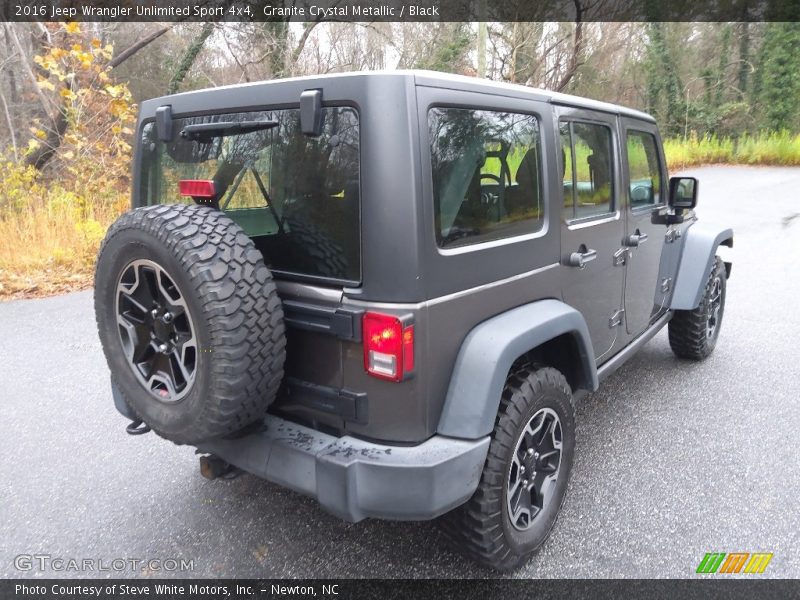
column 722, row 92
column 710, row 78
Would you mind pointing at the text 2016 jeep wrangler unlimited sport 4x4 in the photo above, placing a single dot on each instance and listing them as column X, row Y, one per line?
column 387, row 290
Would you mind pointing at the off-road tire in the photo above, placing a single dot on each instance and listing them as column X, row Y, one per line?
column 689, row 329
column 481, row 529
column 234, row 308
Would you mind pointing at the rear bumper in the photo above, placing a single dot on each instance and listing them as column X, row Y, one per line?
column 354, row 479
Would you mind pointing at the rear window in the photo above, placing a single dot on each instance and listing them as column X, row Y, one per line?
column 487, row 175
column 296, row 196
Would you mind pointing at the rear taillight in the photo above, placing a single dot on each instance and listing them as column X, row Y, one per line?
column 197, row 188
column 388, row 346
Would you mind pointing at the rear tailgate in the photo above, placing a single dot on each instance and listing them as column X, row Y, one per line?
column 318, row 331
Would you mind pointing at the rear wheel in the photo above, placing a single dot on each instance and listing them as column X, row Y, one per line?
column 693, row 333
column 525, row 477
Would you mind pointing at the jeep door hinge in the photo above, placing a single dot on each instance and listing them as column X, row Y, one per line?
column 620, row 257
column 672, row 235
column 666, row 283
column 616, row 318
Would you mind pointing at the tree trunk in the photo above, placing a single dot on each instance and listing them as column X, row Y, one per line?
column 744, row 59
column 724, row 58
column 301, row 43
column 10, row 125
column 482, row 31
column 665, row 79
column 189, row 57
column 12, row 79
column 43, row 99
column 278, row 33
column 47, row 148
column 577, row 49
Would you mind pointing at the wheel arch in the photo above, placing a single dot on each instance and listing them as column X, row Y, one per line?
column 546, row 331
column 697, row 260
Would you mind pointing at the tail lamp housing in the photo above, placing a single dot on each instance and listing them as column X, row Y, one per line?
column 388, row 346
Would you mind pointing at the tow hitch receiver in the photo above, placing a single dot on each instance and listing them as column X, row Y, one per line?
column 137, row 427
column 212, row 467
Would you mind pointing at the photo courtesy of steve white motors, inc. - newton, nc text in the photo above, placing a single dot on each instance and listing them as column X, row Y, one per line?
column 400, row 299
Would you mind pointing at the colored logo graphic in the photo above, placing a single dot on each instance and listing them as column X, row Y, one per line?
column 735, row 562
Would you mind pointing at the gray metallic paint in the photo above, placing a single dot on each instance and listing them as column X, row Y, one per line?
column 404, row 272
column 596, row 289
column 642, row 275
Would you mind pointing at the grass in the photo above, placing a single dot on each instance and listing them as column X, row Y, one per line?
column 49, row 238
column 45, row 251
column 766, row 148
column 49, row 235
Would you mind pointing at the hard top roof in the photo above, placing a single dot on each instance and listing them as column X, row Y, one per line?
column 429, row 79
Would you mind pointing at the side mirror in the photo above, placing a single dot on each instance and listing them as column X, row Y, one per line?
column 683, row 193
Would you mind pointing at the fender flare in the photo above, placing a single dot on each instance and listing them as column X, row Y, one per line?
column 697, row 260
column 489, row 351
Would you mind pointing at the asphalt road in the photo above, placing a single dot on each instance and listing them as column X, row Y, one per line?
column 674, row 459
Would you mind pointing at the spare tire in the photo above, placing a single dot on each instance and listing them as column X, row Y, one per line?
column 190, row 321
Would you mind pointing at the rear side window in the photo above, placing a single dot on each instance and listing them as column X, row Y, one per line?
column 588, row 169
column 644, row 169
column 296, row 196
column 487, row 175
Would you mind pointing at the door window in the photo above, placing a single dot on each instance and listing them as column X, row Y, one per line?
column 644, row 170
column 487, row 175
column 588, row 169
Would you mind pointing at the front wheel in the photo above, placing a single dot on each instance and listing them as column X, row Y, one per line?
column 525, row 477
column 693, row 333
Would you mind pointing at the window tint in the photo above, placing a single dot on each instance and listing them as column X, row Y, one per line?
column 486, row 175
column 296, row 196
column 588, row 169
column 644, row 169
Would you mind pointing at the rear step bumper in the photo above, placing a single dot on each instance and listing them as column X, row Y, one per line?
column 351, row 478
column 354, row 479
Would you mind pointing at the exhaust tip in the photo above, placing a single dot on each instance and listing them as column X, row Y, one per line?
column 212, row 467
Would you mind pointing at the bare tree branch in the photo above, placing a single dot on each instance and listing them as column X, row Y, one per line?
column 131, row 50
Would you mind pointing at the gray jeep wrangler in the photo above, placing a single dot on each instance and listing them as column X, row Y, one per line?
column 387, row 291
